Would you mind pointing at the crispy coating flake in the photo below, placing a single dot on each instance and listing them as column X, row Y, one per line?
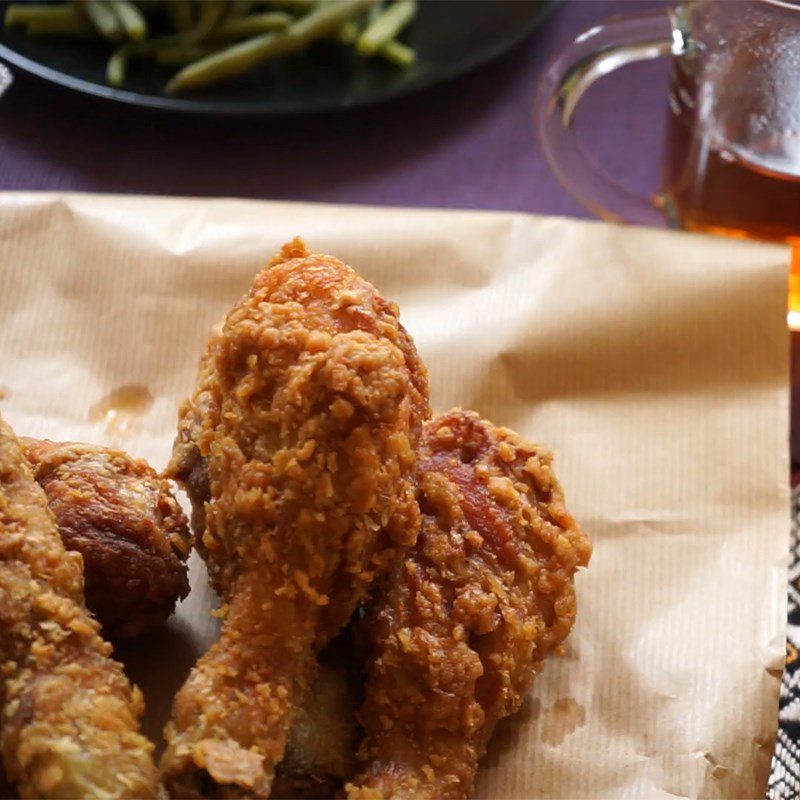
column 70, row 719
column 461, row 626
column 303, row 429
column 123, row 519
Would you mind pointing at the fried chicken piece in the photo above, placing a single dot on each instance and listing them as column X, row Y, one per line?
column 461, row 626
column 305, row 422
column 70, row 718
column 321, row 749
column 123, row 519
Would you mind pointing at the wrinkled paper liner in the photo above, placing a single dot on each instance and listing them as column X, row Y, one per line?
column 653, row 363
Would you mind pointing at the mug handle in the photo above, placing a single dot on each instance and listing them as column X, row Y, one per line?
column 594, row 53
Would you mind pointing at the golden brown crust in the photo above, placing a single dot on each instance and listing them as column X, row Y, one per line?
column 70, row 719
column 306, row 418
column 123, row 519
column 188, row 465
column 462, row 625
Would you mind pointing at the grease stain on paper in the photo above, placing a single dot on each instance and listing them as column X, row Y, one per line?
column 718, row 770
column 564, row 717
column 121, row 408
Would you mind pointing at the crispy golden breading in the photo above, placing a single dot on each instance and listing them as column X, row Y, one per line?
column 460, row 627
column 305, row 420
column 123, row 519
column 70, row 718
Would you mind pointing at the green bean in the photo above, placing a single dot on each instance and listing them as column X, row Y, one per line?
column 49, row 20
column 348, row 33
column 180, row 15
column 66, row 28
column 243, row 27
column 240, row 8
column 204, row 29
column 132, row 19
column 386, row 26
column 180, row 54
column 393, row 51
column 298, row 6
column 102, row 16
column 117, row 64
column 211, row 12
column 20, row 14
column 398, row 54
column 323, row 21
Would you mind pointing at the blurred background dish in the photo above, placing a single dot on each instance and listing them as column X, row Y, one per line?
column 450, row 37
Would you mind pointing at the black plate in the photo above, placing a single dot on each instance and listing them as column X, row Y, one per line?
column 450, row 37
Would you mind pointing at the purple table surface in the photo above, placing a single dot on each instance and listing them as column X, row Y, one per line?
column 466, row 144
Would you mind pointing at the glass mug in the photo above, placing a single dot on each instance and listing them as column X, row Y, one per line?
column 731, row 161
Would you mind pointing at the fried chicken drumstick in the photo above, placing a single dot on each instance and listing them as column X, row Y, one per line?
column 123, row 519
column 461, row 626
column 70, row 718
column 303, row 429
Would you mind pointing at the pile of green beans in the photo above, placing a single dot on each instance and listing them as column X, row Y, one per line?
column 214, row 40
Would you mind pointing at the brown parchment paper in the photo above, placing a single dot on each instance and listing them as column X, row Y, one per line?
column 653, row 363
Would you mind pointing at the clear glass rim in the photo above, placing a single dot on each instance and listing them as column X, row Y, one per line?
column 789, row 5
